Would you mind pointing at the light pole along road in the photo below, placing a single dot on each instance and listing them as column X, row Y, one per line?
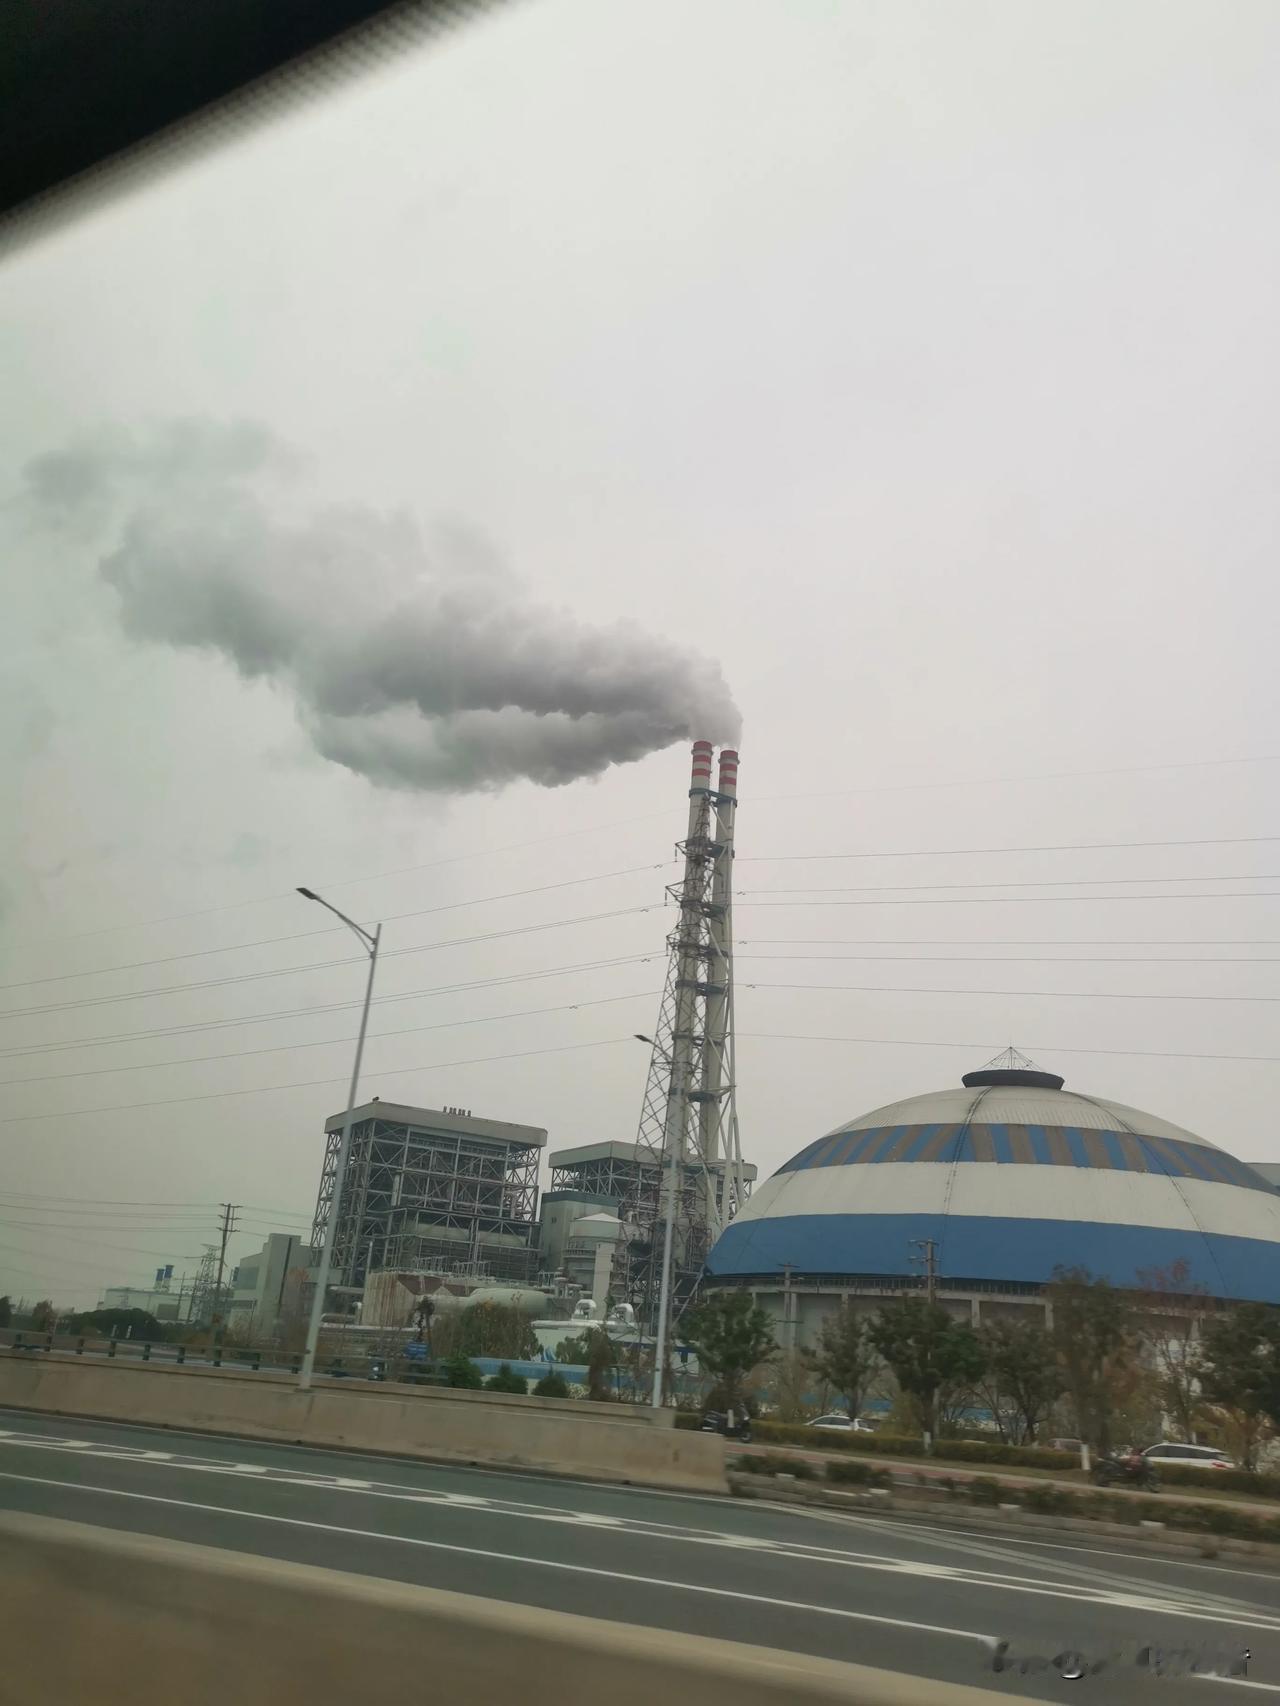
column 369, row 942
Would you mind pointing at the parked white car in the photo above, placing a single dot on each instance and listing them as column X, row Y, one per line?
column 1207, row 1456
column 839, row 1420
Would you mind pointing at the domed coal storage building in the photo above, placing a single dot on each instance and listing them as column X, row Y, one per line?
column 991, row 1187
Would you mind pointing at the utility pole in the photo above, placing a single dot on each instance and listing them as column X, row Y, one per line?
column 228, row 1227
column 929, row 1262
column 369, row 941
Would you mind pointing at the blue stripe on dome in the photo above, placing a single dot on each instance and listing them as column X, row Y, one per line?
column 1075, row 1143
column 1115, row 1149
column 994, row 1249
column 918, row 1142
column 1167, row 1156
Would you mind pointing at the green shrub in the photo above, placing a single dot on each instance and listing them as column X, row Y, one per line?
column 1252, row 1485
column 858, row 1475
column 770, row 1463
column 904, row 1445
column 838, row 1439
column 1049, row 1500
column 505, row 1381
column 552, row 1385
column 461, row 1372
column 1015, row 1456
column 982, row 1490
column 688, row 1419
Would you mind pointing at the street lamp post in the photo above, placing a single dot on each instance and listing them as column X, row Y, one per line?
column 369, row 942
column 670, row 1131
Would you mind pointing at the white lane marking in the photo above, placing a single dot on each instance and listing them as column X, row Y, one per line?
column 1239, row 1682
column 1091, row 1574
column 438, row 1464
column 1124, row 1596
column 1079, row 1594
column 1043, row 1543
column 514, row 1558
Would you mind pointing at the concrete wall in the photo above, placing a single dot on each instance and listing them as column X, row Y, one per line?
column 605, row 1442
column 102, row 1618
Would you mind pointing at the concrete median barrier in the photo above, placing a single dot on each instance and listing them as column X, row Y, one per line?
column 101, row 1618
column 600, row 1442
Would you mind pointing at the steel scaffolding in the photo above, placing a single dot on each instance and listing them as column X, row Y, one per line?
column 688, row 1119
column 424, row 1185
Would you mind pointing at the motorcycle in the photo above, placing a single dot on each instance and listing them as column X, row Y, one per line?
column 734, row 1424
column 1131, row 1471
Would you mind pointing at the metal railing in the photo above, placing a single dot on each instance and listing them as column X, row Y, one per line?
column 214, row 1353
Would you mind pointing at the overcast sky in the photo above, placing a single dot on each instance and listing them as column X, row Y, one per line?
column 914, row 363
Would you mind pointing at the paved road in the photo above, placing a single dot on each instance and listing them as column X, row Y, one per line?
column 912, row 1597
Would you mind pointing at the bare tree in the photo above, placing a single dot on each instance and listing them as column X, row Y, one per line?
column 845, row 1356
column 1094, row 1338
column 1174, row 1310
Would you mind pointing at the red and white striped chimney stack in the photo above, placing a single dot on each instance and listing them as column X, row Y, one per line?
column 701, row 778
column 729, row 772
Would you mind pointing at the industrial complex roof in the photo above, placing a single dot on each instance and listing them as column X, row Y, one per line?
column 443, row 1119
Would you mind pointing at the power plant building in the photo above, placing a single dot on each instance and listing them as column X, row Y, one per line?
column 982, row 1192
column 431, row 1189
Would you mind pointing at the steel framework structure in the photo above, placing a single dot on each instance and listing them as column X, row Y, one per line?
column 688, row 1127
column 422, row 1185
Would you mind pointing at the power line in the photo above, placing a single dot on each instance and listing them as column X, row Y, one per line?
column 342, row 882
column 328, row 930
column 1018, row 883
column 319, row 965
column 125, row 1249
column 327, row 1042
column 1015, row 900
column 1052, row 847
column 1038, row 776
column 329, row 1007
column 1023, row 960
column 94, row 1267
column 1043, row 1049
column 99, row 1202
column 650, row 817
column 104, row 1226
column 1015, row 942
column 111, row 1217
column 1052, row 994
column 309, row 1083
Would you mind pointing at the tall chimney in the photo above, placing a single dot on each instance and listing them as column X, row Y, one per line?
column 719, row 979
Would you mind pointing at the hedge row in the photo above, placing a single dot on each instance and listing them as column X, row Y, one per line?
column 837, row 1439
column 900, row 1445
column 1245, row 1481
column 771, row 1463
column 1048, row 1499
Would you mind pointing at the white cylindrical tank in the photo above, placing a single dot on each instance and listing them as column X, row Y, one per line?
column 524, row 1298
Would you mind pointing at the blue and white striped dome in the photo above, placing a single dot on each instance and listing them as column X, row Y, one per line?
column 1012, row 1176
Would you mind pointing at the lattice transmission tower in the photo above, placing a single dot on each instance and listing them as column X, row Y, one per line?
column 688, row 1134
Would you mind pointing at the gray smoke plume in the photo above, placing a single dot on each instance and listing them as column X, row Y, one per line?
column 414, row 672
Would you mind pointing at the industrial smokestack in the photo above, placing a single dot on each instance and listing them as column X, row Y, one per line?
column 415, row 670
column 716, row 1072
column 699, row 780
